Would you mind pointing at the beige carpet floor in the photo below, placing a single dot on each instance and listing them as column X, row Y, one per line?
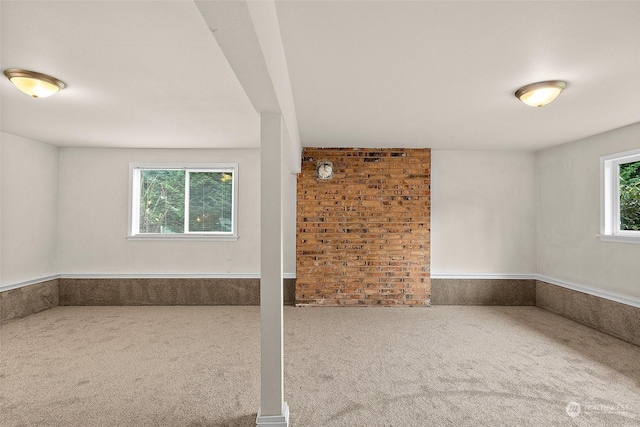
column 199, row 366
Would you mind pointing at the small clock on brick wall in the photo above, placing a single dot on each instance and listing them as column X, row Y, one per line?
column 324, row 170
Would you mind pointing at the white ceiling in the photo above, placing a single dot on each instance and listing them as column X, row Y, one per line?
column 363, row 74
column 139, row 74
column 443, row 74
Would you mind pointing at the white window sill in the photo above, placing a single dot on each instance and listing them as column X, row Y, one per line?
column 184, row 237
column 619, row 238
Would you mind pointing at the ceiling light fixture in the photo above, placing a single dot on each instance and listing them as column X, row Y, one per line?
column 34, row 84
column 541, row 93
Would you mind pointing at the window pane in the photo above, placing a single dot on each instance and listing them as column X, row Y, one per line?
column 210, row 201
column 630, row 196
column 162, row 201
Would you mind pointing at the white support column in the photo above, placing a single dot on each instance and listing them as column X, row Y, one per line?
column 274, row 411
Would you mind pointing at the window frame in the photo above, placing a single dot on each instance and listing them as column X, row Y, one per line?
column 610, row 197
column 133, row 231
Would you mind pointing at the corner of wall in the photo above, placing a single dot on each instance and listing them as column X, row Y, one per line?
column 537, row 207
column 58, row 213
column 39, row 259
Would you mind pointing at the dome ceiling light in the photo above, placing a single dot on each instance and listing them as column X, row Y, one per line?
column 36, row 85
column 541, row 93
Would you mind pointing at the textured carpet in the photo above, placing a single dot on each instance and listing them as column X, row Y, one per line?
column 199, row 366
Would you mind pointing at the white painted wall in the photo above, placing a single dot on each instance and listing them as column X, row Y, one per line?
column 569, row 216
column 1, row 138
column 483, row 212
column 94, row 217
column 29, row 210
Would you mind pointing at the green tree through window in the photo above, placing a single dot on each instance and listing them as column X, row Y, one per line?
column 210, row 201
column 181, row 201
column 630, row 196
column 162, row 201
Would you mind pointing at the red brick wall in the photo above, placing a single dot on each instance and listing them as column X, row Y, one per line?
column 363, row 237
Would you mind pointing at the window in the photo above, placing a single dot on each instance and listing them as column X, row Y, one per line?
column 184, row 201
column 621, row 197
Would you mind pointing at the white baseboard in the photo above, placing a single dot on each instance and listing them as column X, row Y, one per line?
column 609, row 295
column 484, row 276
column 601, row 293
column 167, row 276
column 22, row 284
